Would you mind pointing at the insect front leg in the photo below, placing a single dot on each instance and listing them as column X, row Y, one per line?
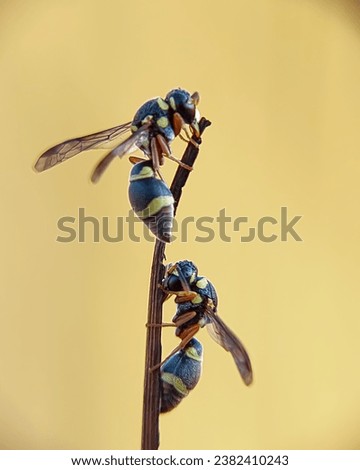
column 180, row 296
column 179, row 126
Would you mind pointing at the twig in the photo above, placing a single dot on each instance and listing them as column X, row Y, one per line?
column 151, row 405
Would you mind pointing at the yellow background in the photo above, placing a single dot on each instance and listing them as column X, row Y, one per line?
column 280, row 82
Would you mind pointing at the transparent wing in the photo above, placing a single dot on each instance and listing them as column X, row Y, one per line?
column 136, row 139
column 69, row 148
column 222, row 334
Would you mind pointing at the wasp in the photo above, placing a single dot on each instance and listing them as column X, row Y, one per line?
column 197, row 302
column 180, row 374
column 151, row 200
column 154, row 126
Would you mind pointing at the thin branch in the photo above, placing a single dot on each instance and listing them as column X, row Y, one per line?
column 150, row 439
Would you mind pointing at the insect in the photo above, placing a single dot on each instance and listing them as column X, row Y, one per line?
column 180, row 374
column 154, row 126
column 151, row 200
column 197, row 301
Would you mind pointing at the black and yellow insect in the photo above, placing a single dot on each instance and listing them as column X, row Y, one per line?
column 197, row 301
column 154, row 126
column 151, row 200
column 180, row 374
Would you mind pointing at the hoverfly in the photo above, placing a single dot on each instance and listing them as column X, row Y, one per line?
column 180, row 374
column 197, row 301
column 154, row 126
column 151, row 200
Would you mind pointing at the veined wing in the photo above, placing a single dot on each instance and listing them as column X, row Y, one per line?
column 69, row 148
column 222, row 334
column 130, row 144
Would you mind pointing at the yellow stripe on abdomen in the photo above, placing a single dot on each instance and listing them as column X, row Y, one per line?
column 177, row 383
column 155, row 206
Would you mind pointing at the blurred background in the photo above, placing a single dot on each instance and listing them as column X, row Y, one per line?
column 280, row 83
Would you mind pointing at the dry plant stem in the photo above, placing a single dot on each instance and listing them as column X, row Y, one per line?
column 151, row 405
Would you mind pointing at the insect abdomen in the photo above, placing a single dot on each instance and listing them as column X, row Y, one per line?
column 152, row 201
column 180, row 374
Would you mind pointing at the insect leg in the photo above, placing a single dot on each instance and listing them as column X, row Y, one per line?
column 159, row 325
column 184, row 318
column 165, row 149
column 155, row 154
column 134, row 159
column 190, row 333
column 181, row 296
column 189, row 138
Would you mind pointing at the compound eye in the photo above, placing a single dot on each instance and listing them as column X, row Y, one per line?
column 187, row 112
column 173, row 283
